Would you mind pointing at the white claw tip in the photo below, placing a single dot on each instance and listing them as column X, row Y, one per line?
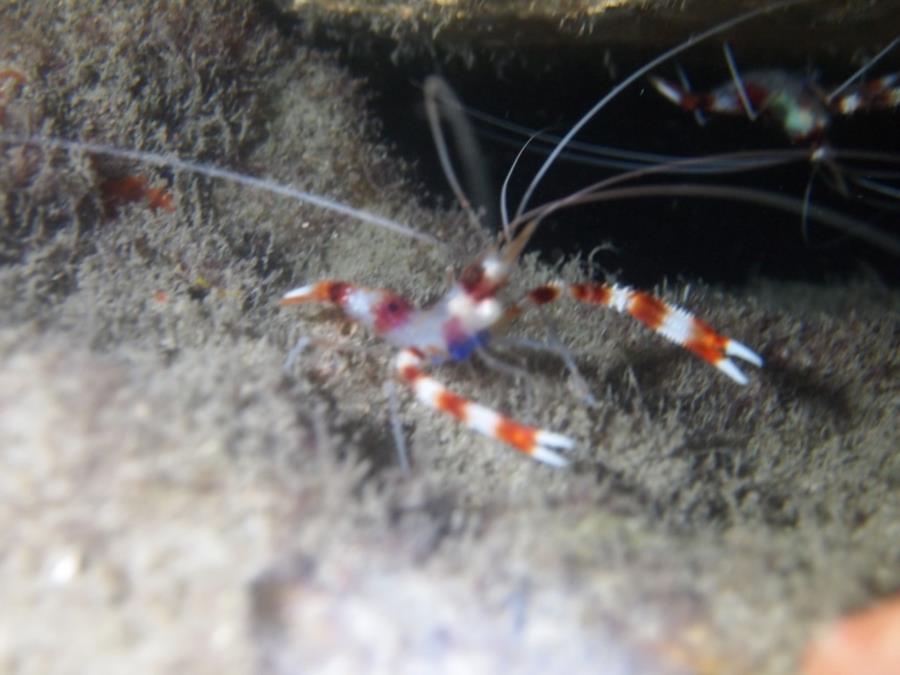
column 727, row 366
column 298, row 294
column 743, row 352
column 554, row 440
column 547, row 440
column 547, row 456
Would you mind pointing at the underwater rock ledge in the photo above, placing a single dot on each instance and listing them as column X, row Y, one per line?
column 828, row 25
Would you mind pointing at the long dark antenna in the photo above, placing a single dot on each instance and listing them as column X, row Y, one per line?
column 442, row 102
column 609, row 190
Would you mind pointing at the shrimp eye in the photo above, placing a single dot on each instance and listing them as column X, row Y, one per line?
column 471, row 277
column 391, row 313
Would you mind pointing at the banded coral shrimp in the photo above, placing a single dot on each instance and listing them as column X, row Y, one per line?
column 806, row 110
column 865, row 146
column 483, row 313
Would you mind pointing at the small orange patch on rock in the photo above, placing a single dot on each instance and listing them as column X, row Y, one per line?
column 692, row 648
column 11, row 80
column 120, row 191
column 863, row 643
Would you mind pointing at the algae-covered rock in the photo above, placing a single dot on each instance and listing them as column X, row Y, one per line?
column 422, row 26
column 175, row 497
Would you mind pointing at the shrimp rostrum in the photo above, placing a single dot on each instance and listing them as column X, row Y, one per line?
column 472, row 312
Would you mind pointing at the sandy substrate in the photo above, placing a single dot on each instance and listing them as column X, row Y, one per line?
column 174, row 500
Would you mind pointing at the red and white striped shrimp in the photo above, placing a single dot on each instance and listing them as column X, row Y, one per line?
column 802, row 107
column 805, row 111
column 797, row 104
column 471, row 311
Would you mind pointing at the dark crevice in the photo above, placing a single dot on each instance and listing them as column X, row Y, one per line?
column 654, row 238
